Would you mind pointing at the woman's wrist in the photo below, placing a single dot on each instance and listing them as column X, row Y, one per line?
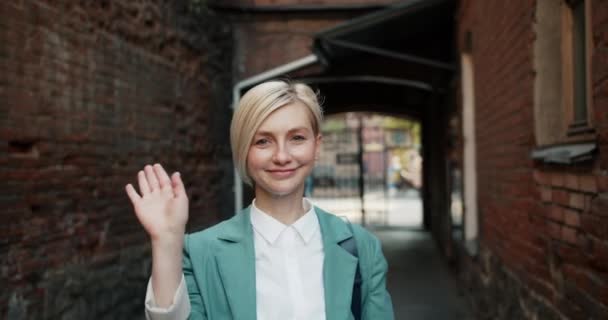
column 167, row 245
column 167, row 239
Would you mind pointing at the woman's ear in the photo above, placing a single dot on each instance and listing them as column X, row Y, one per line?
column 318, row 142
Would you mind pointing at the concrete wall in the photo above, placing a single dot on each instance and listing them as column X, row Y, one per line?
column 90, row 91
column 544, row 228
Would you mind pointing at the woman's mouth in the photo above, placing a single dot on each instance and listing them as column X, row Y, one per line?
column 282, row 173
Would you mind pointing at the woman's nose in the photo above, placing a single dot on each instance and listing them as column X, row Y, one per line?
column 281, row 155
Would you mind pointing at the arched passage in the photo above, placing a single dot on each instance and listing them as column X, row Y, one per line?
column 370, row 170
column 399, row 61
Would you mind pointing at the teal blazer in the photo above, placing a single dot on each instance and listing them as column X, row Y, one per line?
column 219, row 268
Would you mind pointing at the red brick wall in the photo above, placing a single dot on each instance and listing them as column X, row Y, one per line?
column 265, row 40
column 544, row 228
column 317, row 3
column 90, row 92
column 268, row 40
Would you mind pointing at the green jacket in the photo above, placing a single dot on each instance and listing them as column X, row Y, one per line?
column 219, row 267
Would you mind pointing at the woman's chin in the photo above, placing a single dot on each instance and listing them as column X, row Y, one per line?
column 279, row 191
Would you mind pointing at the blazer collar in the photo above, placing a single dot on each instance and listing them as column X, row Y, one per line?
column 236, row 264
column 237, row 228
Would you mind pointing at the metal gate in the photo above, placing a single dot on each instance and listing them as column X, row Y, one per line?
column 362, row 169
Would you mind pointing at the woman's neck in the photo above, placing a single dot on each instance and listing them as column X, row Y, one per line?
column 286, row 209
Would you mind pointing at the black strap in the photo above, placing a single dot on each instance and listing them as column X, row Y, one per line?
column 350, row 245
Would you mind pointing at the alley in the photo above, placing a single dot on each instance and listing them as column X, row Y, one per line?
column 421, row 285
column 420, row 282
column 470, row 136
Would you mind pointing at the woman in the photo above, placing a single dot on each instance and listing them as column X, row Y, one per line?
column 278, row 259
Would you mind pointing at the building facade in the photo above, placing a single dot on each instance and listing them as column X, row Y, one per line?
column 90, row 92
column 533, row 111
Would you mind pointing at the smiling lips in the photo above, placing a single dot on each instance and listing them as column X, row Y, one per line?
column 282, row 173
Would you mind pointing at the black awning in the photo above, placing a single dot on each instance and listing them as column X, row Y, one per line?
column 415, row 32
column 370, row 93
column 393, row 60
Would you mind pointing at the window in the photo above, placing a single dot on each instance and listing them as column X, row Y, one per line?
column 576, row 45
column 562, row 95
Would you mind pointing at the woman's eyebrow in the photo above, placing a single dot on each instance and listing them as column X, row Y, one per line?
column 270, row 133
column 299, row 128
column 263, row 133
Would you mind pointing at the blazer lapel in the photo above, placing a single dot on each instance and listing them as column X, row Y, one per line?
column 236, row 264
column 339, row 266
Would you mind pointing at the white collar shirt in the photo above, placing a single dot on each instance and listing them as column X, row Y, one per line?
column 289, row 267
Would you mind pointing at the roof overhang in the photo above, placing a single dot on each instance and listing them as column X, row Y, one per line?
column 392, row 60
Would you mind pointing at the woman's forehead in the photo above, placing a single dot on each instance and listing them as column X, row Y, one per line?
column 294, row 116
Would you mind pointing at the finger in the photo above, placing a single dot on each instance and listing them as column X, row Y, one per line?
column 133, row 195
column 162, row 176
column 178, row 185
column 144, row 188
column 151, row 176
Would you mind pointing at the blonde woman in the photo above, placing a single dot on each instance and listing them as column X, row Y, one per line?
column 281, row 257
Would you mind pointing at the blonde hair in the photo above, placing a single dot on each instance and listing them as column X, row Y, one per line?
column 256, row 105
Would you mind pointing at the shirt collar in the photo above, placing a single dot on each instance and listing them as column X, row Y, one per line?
column 270, row 228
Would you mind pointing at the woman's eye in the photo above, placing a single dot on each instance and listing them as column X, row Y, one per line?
column 299, row 138
column 261, row 142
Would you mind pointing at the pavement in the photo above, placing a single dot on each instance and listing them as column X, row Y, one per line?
column 421, row 285
column 419, row 281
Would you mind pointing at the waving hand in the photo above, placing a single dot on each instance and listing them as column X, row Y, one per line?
column 162, row 204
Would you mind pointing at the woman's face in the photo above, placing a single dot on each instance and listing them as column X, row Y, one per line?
column 283, row 151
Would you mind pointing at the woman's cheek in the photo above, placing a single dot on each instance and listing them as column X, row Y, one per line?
column 301, row 151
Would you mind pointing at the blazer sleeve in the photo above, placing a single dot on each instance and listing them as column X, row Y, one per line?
column 179, row 309
column 377, row 303
column 198, row 311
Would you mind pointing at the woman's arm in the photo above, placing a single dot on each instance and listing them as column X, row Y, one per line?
column 162, row 209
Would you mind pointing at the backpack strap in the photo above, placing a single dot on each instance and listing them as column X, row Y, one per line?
column 350, row 245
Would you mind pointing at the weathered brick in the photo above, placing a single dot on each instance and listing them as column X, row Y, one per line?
column 599, row 257
column 561, row 197
column 569, row 235
column 542, row 178
column 92, row 97
column 602, row 183
column 558, row 179
column 595, row 225
column 572, row 218
column 599, row 205
column 545, row 194
column 555, row 230
column 504, row 52
column 588, row 183
column 556, row 213
column 571, row 181
column 577, row 201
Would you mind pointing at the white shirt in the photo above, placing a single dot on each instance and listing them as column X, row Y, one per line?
column 289, row 271
column 289, row 267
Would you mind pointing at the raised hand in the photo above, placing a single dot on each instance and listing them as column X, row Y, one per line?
column 162, row 209
column 162, row 204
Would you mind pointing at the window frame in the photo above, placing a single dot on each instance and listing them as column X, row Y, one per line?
column 576, row 130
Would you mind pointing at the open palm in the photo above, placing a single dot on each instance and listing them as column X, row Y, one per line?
column 162, row 204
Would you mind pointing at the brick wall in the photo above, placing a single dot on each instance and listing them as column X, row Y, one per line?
column 90, row 91
column 270, row 40
column 299, row 3
column 265, row 40
column 543, row 228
